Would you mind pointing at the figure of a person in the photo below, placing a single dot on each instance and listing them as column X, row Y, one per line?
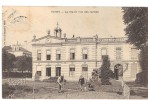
column 60, row 82
column 81, row 82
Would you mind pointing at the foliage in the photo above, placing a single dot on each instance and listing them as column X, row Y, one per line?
column 105, row 71
column 95, row 74
column 7, row 60
column 17, row 75
column 144, row 64
column 136, row 19
column 52, row 79
column 23, row 63
column 7, row 90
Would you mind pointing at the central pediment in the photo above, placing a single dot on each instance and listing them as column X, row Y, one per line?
column 48, row 39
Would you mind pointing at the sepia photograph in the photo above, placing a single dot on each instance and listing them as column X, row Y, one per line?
column 74, row 52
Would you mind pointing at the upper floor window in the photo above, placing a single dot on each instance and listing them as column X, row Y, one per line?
column 72, row 54
column 134, row 53
column 38, row 54
column 84, row 53
column 103, row 51
column 58, row 55
column 118, row 53
column 48, row 55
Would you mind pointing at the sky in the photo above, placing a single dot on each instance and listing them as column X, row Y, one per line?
column 79, row 21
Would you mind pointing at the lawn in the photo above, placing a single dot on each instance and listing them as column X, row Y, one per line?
column 49, row 90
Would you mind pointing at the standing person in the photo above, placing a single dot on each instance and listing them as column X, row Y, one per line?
column 81, row 82
column 60, row 82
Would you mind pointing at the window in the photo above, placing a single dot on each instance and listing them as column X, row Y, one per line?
column 84, row 51
column 103, row 51
column 48, row 71
column 134, row 53
column 48, row 55
column 58, row 71
column 85, row 70
column 72, row 54
column 39, row 55
column 71, row 70
column 58, row 55
column 39, row 73
column 118, row 53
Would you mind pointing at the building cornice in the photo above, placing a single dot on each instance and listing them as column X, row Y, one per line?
column 61, row 61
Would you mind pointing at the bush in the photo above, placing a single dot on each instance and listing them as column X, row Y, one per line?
column 51, row 79
column 17, row 75
column 7, row 90
column 141, row 78
column 95, row 74
column 105, row 71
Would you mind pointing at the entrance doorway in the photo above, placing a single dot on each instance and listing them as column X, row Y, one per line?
column 58, row 71
column 118, row 71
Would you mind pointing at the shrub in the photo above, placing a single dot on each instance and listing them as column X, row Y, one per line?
column 105, row 71
column 51, row 79
column 95, row 74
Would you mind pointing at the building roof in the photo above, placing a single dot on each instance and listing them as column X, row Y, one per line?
column 9, row 48
column 24, row 50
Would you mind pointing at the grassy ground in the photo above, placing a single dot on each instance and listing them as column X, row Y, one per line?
column 49, row 90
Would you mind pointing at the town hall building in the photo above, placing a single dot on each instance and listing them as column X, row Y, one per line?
column 54, row 55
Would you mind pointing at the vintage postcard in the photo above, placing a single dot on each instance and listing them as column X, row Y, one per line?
column 52, row 52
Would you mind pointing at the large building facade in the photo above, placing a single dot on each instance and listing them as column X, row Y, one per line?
column 56, row 55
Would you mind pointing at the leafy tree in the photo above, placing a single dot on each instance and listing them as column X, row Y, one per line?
column 144, row 64
column 105, row 71
column 7, row 60
column 23, row 63
column 136, row 19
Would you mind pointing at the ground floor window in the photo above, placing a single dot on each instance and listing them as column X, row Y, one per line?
column 38, row 73
column 85, row 71
column 71, row 70
column 48, row 71
column 58, row 71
